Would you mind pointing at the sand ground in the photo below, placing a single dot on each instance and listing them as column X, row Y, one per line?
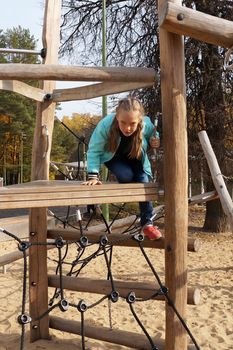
column 210, row 270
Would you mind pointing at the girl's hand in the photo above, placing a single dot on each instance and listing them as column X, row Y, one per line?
column 92, row 182
column 154, row 142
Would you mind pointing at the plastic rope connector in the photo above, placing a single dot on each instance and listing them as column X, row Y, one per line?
column 83, row 241
column 103, row 240
column 82, row 306
column 23, row 246
column 164, row 290
column 63, row 305
column 59, row 242
column 114, row 296
column 23, row 319
column 131, row 298
column 139, row 237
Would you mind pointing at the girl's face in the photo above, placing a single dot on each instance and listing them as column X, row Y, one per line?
column 128, row 121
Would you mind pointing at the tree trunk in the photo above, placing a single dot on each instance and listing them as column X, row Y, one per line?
column 215, row 219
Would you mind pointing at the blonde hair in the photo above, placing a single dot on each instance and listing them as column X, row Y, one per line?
column 128, row 105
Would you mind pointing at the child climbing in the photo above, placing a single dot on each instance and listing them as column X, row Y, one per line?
column 120, row 142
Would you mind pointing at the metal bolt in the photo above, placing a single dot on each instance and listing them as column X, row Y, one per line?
column 32, row 234
column 48, row 97
column 180, row 16
column 43, row 52
column 169, row 248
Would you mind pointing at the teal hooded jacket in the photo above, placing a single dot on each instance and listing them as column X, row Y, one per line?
column 97, row 154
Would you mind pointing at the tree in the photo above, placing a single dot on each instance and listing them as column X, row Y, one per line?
column 210, row 105
column 70, row 135
column 132, row 39
column 18, row 112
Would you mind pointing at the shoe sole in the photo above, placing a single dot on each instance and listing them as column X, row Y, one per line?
column 153, row 239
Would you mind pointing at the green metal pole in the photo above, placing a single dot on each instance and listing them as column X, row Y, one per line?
column 21, row 159
column 105, row 207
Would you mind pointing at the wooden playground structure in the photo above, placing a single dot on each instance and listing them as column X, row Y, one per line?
column 175, row 21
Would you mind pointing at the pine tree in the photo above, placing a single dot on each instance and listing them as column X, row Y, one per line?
column 17, row 113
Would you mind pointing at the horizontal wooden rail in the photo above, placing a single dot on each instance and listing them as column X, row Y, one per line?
column 203, row 197
column 195, row 24
column 117, row 239
column 142, row 289
column 14, row 256
column 45, row 193
column 23, row 89
column 114, row 336
column 96, row 90
column 11, row 257
column 21, row 71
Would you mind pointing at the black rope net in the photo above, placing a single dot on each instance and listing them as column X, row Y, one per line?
column 68, row 263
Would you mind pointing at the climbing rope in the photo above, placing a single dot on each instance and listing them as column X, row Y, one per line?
column 104, row 247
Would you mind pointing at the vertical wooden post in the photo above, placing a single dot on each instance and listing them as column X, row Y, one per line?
column 46, row 110
column 38, row 280
column 176, row 179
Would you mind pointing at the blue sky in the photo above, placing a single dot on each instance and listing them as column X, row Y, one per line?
column 29, row 14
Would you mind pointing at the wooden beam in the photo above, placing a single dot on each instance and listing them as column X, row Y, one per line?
column 45, row 110
column 58, row 193
column 38, row 280
column 41, row 149
column 198, row 25
column 9, row 258
column 141, row 289
column 22, row 89
column 117, row 239
column 216, row 175
column 175, row 178
column 96, row 90
column 203, row 197
column 114, row 336
column 21, row 71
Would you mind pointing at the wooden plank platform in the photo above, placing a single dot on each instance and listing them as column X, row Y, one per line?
column 46, row 193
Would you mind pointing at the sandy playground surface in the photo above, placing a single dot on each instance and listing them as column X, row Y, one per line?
column 210, row 270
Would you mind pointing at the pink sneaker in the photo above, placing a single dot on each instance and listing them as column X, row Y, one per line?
column 152, row 232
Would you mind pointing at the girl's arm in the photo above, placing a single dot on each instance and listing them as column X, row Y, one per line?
column 152, row 139
column 96, row 149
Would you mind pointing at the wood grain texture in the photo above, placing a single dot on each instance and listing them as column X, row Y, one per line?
column 96, row 90
column 198, row 25
column 75, row 73
column 142, row 289
column 22, row 89
column 45, row 193
column 114, row 336
column 175, row 179
column 41, row 149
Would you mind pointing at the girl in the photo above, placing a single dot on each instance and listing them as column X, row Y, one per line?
column 120, row 142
